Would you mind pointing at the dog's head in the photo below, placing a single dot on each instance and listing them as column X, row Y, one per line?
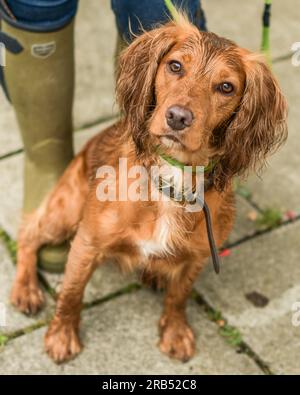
column 200, row 96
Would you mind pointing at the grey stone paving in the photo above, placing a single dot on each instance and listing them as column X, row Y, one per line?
column 9, row 137
column 269, row 266
column 244, row 226
column 14, row 320
column 126, row 330
column 124, row 327
column 241, row 22
column 106, row 280
column 280, row 184
column 95, row 48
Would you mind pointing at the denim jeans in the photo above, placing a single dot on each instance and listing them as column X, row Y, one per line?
column 131, row 15
column 48, row 15
column 41, row 15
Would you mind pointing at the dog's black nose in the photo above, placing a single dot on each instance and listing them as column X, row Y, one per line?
column 179, row 118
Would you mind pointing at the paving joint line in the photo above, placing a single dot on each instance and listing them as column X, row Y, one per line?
column 128, row 289
column 230, row 333
column 282, row 58
column 250, row 201
column 98, row 121
column 7, row 337
column 262, row 232
column 11, row 153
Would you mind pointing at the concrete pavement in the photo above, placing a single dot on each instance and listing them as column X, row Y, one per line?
column 243, row 318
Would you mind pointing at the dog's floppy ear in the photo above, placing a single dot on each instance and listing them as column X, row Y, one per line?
column 137, row 69
column 259, row 125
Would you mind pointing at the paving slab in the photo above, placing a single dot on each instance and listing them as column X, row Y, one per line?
column 261, row 272
column 243, row 225
column 11, row 191
column 120, row 337
column 241, row 21
column 279, row 185
column 14, row 319
column 10, row 139
column 95, row 37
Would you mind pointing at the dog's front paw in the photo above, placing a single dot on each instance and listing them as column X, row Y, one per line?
column 176, row 339
column 62, row 342
column 27, row 297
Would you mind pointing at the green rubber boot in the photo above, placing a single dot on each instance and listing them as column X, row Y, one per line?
column 40, row 83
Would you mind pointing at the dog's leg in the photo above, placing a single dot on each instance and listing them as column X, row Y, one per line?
column 62, row 338
column 53, row 222
column 26, row 294
column 176, row 336
column 154, row 282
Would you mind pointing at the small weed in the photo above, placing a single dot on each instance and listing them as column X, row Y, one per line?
column 9, row 243
column 231, row 335
column 242, row 190
column 3, row 340
column 269, row 218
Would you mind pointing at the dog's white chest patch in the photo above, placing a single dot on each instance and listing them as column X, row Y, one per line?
column 160, row 243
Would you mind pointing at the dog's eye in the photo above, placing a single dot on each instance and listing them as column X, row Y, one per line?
column 226, row 88
column 175, row 66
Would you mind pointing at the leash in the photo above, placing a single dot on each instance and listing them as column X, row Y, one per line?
column 265, row 44
column 210, row 235
column 203, row 204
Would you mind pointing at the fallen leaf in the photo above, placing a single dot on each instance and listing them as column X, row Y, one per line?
column 225, row 253
column 252, row 216
column 221, row 323
column 290, row 215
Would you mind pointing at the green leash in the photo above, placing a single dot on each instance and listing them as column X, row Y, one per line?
column 172, row 10
column 265, row 44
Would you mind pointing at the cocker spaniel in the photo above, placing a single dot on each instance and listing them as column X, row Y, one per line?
column 186, row 97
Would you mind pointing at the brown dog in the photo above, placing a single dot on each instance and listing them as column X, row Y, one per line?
column 201, row 98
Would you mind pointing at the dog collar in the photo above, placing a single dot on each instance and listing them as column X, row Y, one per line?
column 175, row 162
column 207, row 216
column 209, row 230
